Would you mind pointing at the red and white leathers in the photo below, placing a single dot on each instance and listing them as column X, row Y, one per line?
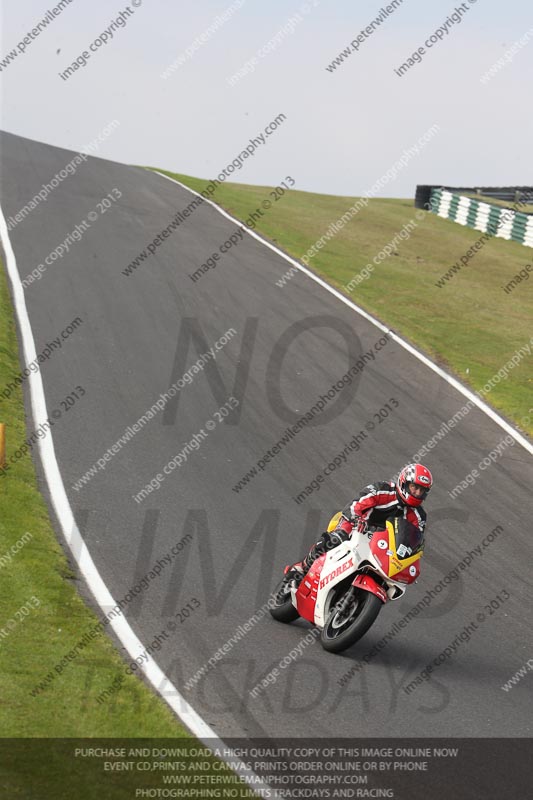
column 375, row 503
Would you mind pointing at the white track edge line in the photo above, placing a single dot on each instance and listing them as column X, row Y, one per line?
column 80, row 552
column 490, row 412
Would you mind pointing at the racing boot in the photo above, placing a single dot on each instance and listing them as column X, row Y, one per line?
column 296, row 572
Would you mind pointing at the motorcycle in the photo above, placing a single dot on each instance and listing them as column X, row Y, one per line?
column 345, row 589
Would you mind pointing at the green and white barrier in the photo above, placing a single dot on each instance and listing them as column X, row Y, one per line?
column 498, row 221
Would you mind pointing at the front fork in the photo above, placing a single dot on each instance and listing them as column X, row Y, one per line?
column 346, row 601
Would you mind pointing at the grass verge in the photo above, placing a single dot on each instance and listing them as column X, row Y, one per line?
column 42, row 618
column 470, row 326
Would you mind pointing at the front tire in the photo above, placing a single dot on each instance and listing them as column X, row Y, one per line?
column 349, row 620
column 283, row 609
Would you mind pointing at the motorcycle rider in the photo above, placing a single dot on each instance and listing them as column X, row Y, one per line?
column 373, row 506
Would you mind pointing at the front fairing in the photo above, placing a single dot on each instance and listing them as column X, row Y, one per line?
column 398, row 550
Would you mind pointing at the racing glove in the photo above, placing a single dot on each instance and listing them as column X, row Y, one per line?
column 361, row 524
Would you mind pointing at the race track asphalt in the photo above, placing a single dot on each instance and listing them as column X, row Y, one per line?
column 139, row 334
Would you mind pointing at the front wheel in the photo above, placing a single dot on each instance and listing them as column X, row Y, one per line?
column 282, row 608
column 349, row 620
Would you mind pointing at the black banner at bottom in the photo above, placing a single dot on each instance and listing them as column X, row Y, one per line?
column 128, row 769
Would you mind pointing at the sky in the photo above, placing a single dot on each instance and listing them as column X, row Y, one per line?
column 343, row 129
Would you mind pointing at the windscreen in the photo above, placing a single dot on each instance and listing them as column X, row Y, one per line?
column 409, row 538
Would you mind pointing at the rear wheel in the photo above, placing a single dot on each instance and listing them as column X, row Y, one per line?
column 349, row 620
column 282, row 609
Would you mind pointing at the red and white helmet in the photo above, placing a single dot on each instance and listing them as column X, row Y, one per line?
column 417, row 474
